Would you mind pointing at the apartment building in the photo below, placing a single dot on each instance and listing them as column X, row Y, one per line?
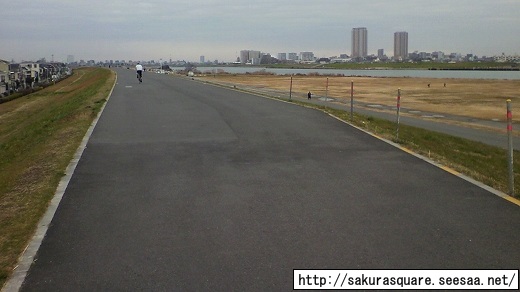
column 401, row 45
column 250, row 57
column 359, row 42
column 307, row 57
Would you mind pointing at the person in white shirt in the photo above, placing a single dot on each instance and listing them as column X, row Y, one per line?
column 139, row 69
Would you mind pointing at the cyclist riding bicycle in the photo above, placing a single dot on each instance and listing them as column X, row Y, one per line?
column 139, row 69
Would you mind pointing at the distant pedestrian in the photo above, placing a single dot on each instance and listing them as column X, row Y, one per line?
column 444, row 84
column 428, row 85
column 309, row 95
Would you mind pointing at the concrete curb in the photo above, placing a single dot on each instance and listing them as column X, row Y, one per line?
column 438, row 165
column 26, row 259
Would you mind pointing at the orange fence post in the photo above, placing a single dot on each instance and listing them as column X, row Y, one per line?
column 510, row 149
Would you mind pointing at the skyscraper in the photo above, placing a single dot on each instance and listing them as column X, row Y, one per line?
column 401, row 45
column 359, row 42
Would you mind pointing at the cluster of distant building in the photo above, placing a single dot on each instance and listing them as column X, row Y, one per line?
column 359, row 53
column 15, row 77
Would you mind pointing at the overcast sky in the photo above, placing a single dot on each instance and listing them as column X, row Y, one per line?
column 220, row 29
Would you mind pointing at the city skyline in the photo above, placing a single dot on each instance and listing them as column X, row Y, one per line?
column 359, row 51
column 181, row 30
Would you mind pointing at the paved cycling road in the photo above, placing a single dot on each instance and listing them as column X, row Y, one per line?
column 189, row 187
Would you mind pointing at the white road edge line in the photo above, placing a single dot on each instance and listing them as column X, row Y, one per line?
column 438, row 165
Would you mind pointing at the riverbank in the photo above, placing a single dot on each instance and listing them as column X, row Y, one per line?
column 376, row 72
column 405, row 69
column 493, row 66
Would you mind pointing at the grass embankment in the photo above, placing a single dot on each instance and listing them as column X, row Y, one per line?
column 39, row 134
column 472, row 98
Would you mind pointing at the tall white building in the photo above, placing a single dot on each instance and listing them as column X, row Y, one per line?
column 306, row 56
column 292, row 56
column 244, row 56
column 401, row 45
column 359, row 42
column 249, row 56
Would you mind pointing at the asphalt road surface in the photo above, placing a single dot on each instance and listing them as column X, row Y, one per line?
column 484, row 131
column 189, row 187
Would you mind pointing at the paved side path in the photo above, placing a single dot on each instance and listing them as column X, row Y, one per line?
column 484, row 131
column 190, row 187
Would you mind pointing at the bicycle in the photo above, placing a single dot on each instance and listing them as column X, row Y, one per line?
column 140, row 76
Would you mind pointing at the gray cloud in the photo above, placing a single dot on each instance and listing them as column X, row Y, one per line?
column 219, row 29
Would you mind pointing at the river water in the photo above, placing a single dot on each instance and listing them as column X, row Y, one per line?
column 473, row 74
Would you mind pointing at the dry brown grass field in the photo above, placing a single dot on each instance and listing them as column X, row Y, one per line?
column 482, row 99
